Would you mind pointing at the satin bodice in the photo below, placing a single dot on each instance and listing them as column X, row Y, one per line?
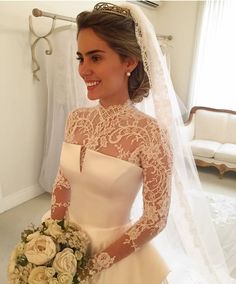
column 102, row 189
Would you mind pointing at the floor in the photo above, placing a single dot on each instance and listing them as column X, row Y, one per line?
column 12, row 221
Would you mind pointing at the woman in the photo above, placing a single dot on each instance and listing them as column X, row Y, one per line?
column 109, row 150
column 112, row 149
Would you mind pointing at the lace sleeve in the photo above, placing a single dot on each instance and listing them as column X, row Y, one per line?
column 61, row 188
column 156, row 161
column 60, row 197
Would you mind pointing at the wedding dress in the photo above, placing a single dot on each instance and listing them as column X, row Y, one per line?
column 107, row 155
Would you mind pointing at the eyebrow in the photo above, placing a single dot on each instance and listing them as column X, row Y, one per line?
column 90, row 52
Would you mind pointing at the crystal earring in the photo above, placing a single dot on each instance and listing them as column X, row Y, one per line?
column 128, row 74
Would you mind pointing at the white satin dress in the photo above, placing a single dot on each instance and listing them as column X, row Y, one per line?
column 97, row 184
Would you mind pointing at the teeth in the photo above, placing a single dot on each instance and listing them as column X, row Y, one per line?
column 90, row 84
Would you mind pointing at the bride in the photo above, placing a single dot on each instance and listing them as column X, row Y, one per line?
column 113, row 149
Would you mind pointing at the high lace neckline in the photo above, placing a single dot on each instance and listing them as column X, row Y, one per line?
column 114, row 110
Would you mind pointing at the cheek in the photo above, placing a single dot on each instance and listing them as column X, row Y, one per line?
column 116, row 72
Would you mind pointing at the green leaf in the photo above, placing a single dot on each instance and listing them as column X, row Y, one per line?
column 75, row 279
column 62, row 224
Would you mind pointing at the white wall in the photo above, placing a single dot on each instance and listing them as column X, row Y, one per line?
column 178, row 18
column 23, row 101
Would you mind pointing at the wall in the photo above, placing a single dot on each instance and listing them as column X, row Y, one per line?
column 24, row 101
column 178, row 18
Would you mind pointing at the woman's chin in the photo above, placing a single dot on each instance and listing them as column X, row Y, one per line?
column 92, row 96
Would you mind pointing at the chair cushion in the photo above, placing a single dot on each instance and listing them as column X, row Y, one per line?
column 226, row 152
column 210, row 125
column 204, row 148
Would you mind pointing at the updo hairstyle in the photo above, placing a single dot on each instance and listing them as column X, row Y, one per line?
column 119, row 33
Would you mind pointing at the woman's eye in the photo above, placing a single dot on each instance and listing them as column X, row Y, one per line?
column 80, row 58
column 96, row 58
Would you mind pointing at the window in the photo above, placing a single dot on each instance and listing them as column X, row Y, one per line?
column 214, row 75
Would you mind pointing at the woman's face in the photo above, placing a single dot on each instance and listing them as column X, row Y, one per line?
column 102, row 69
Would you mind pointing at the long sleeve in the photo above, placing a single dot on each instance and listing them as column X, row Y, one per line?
column 156, row 162
column 60, row 197
column 61, row 189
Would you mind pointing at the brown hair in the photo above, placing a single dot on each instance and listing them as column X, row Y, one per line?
column 119, row 33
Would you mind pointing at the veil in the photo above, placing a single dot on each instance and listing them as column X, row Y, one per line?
column 189, row 242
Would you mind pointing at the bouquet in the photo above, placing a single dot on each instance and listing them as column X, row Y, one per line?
column 51, row 253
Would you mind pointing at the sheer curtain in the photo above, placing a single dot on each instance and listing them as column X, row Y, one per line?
column 213, row 79
column 66, row 91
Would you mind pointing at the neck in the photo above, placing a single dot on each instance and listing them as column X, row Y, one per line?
column 108, row 103
column 114, row 110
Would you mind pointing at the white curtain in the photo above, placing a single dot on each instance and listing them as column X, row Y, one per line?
column 66, row 91
column 213, row 78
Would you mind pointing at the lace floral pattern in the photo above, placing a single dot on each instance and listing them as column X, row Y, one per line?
column 100, row 262
column 126, row 133
column 60, row 197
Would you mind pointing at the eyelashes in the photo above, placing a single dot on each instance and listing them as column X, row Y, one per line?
column 79, row 58
column 94, row 58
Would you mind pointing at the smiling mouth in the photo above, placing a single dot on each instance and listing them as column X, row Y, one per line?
column 92, row 84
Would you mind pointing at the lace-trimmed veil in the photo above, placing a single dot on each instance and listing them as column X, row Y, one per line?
column 189, row 241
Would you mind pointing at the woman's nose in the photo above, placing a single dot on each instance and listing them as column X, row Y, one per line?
column 84, row 69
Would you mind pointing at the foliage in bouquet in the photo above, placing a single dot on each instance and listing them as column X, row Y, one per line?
column 52, row 253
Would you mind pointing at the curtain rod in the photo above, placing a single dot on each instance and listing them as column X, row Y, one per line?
column 39, row 13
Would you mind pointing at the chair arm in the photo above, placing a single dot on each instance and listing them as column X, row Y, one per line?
column 189, row 129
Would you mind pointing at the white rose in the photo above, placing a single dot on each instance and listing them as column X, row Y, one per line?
column 40, row 250
column 49, row 221
column 33, row 235
column 38, row 276
column 65, row 278
column 54, row 230
column 50, row 272
column 53, row 281
column 65, row 261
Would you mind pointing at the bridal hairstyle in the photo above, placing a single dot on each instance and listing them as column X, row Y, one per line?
column 118, row 32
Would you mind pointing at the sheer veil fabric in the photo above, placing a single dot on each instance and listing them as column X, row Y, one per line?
column 189, row 242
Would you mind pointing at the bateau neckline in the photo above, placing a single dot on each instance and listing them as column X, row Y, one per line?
column 105, row 155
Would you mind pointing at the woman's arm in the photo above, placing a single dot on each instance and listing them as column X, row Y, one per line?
column 156, row 160
column 60, row 197
column 61, row 189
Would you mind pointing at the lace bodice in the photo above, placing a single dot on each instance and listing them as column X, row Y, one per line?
column 125, row 133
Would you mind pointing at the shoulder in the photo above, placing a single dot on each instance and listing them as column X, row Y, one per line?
column 147, row 122
column 153, row 133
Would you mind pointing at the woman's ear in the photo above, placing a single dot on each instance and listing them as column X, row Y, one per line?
column 131, row 63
